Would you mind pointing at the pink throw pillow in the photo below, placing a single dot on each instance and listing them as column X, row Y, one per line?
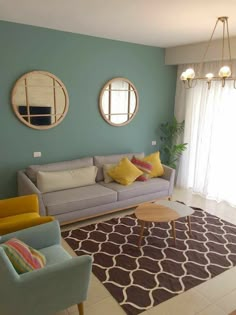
column 144, row 166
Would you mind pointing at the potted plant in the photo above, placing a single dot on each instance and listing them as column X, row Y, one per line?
column 170, row 150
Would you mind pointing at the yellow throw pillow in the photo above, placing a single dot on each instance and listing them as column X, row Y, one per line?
column 124, row 172
column 157, row 168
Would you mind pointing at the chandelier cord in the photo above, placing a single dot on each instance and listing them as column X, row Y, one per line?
column 223, row 43
column 230, row 57
column 206, row 50
column 209, row 41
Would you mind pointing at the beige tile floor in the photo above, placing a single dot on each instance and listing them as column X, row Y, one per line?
column 214, row 297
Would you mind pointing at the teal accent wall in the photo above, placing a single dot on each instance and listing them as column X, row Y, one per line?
column 84, row 64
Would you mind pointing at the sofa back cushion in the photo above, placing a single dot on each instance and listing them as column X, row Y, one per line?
column 53, row 181
column 99, row 161
column 32, row 170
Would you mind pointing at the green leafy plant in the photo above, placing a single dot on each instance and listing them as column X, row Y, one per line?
column 170, row 151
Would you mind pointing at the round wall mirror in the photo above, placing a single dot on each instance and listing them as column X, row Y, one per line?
column 118, row 101
column 40, row 100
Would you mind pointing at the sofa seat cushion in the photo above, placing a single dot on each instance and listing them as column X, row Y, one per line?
column 136, row 189
column 79, row 198
column 54, row 254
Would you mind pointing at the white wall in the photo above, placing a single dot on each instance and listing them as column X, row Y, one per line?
column 194, row 53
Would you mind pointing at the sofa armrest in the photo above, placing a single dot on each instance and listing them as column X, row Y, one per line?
column 18, row 205
column 27, row 187
column 40, row 236
column 169, row 174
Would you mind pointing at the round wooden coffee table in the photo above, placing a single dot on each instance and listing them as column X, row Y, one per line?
column 162, row 211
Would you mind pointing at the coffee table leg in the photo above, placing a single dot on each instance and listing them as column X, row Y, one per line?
column 141, row 233
column 173, row 231
column 189, row 225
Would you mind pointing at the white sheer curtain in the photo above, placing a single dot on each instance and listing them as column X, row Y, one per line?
column 208, row 166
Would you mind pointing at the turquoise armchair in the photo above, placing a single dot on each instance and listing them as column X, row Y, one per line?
column 61, row 283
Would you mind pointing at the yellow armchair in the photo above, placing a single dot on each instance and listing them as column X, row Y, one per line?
column 19, row 213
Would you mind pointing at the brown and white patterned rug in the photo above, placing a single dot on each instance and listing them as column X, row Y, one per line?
column 140, row 278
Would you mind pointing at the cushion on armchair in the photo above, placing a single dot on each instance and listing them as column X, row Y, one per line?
column 23, row 257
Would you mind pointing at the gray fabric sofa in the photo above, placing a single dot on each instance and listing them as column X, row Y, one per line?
column 78, row 203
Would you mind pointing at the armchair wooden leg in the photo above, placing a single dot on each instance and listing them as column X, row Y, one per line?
column 81, row 308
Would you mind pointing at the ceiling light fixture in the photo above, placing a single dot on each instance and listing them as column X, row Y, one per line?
column 190, row 78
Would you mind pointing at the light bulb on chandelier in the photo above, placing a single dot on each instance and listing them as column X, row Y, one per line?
column 209, row 76
column 225, row 74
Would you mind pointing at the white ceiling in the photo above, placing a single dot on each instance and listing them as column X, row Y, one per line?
column 162, row 23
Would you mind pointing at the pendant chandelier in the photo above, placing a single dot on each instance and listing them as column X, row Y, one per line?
column 189, row 77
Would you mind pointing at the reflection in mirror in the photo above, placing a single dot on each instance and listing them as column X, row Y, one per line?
column 118, row 101
column 40, row 100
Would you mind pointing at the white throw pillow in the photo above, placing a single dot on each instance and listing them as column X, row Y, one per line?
column 106, row 168
column 53, row 181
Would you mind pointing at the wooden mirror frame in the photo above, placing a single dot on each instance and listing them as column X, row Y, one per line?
column 20, row 116
column 101, row 99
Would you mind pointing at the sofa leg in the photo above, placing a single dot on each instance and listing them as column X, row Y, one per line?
column 169, row 198
column 81, row 308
